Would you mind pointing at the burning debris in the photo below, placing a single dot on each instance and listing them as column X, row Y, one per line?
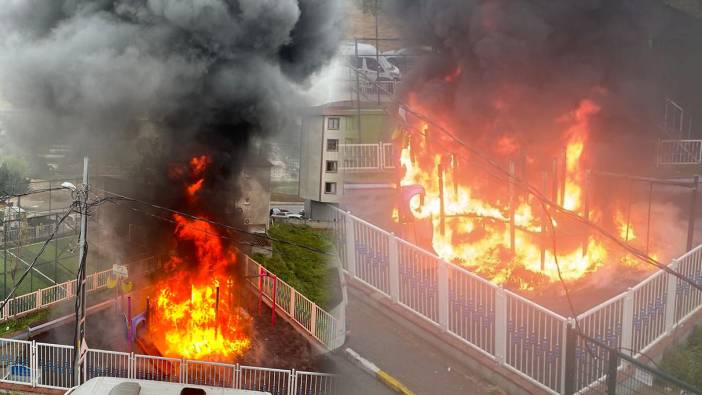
column 538, row 86
column 196, row 315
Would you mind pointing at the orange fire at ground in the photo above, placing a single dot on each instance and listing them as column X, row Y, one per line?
column 195, row 315
column 472, row 227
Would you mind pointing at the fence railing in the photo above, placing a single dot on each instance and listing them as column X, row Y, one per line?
column 318, row 323
column 517, row 333
column 32, row 233
column 51, row 366
column 45, row 297
column 679, row 152
column 360, row 157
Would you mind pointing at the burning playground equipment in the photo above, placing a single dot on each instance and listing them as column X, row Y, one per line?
column 453, row 203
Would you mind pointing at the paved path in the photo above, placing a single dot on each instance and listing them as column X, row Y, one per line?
column 395, row 349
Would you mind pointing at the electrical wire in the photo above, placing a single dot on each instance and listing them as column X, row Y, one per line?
column 34, row 261
column 211, row 222
column 522, row 184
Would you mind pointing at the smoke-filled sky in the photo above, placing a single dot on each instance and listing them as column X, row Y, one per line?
column 215, row 72
column 516, row 66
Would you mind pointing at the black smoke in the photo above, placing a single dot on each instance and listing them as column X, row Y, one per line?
column 150, row 83
column 525, row 63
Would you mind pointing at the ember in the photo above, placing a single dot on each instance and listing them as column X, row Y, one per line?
column 195, row 315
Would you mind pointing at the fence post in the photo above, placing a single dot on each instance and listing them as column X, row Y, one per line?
column 500, row 325
column 443, row 291
column 292, row 382
column 236, row 380
column 131, row 365
column 33, row 363
column 670, row 300
column 292, row 303
column 183, row 371
column 313, row 320
column 350, row 245
column 569, row 367
column 628, row 322
column 38, row 299
column 612, row 363
column 394, row 268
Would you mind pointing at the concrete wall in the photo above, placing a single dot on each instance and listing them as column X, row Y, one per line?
column 255, row 186
column 311, row 156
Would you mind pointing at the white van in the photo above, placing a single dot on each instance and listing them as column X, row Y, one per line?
column 120, row 386
column 367, row 60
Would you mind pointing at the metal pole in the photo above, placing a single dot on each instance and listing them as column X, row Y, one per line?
column 377, row 55
column 628, row 209
column 564, row 176
column 512, row 203
column 80, row 281
column 693, row 213
column 544, row 180
column 358, row 92
column 56, row 219
column 217, row 304
column 442, row 213
column 454, row 162
column 648, row 217
column 4, row 258
column 586, row 208
column 612, row 363
column 570, row 362
column 275, row 286
column 554, row 180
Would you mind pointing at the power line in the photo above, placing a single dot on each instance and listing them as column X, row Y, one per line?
column 523, row 184
column 207, row 220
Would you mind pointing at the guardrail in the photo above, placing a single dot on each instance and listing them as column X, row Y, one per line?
column 679, row 152
column 517, row 333
column 45, row 297
column 363, row 157
column 46, row 365
column 314, row 320
column 33, row 233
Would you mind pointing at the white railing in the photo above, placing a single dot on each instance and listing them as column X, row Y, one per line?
column 679, row 152
column 45, row 297
column 515, row 332
column 33, row 233
column 314, row 320
column 361, row 157
column 518, row 334
column 46, row 365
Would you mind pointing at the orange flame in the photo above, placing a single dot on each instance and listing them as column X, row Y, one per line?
column 475, row 230
column 194, row 316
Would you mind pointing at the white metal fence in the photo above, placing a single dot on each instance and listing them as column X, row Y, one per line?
column 51, row 366
column 679, row 152
column 38, row 232
column 316, row 321
column 45, row 297
column 517, row 333
column 360, row 157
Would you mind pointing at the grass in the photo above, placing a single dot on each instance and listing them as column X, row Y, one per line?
column 304, row 270
column 17, row 324
column 64, row 269
column 685, row 361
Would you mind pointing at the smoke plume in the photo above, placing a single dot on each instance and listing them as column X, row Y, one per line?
column 205, row 75
column 513, row 67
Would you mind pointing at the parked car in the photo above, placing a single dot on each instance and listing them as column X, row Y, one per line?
column 404, row 58
column 365, row 59
column 114, row 385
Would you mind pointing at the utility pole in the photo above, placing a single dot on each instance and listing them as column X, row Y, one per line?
column 78, row 357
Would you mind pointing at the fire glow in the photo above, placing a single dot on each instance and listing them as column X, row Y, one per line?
column 472, row 218
column 195, row 315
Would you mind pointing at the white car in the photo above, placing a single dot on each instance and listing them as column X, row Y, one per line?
column 365, row 59
column 114, row 385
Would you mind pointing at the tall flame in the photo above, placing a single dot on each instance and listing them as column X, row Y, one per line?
column 195, row 315
column 475, row 230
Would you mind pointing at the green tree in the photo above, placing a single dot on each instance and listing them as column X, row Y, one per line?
column 12, row 178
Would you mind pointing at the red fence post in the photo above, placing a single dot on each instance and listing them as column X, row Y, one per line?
column 275, row 285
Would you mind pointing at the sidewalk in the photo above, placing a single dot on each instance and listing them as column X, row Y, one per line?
column 420, row 366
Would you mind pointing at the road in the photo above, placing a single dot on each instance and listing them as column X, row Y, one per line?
column 404, row 355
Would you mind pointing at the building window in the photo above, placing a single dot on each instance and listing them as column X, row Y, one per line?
column 332, row 166
column 333, row 123
column 332, row 144
column 330, row 187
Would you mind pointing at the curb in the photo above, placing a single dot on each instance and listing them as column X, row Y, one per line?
column 372, row 369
